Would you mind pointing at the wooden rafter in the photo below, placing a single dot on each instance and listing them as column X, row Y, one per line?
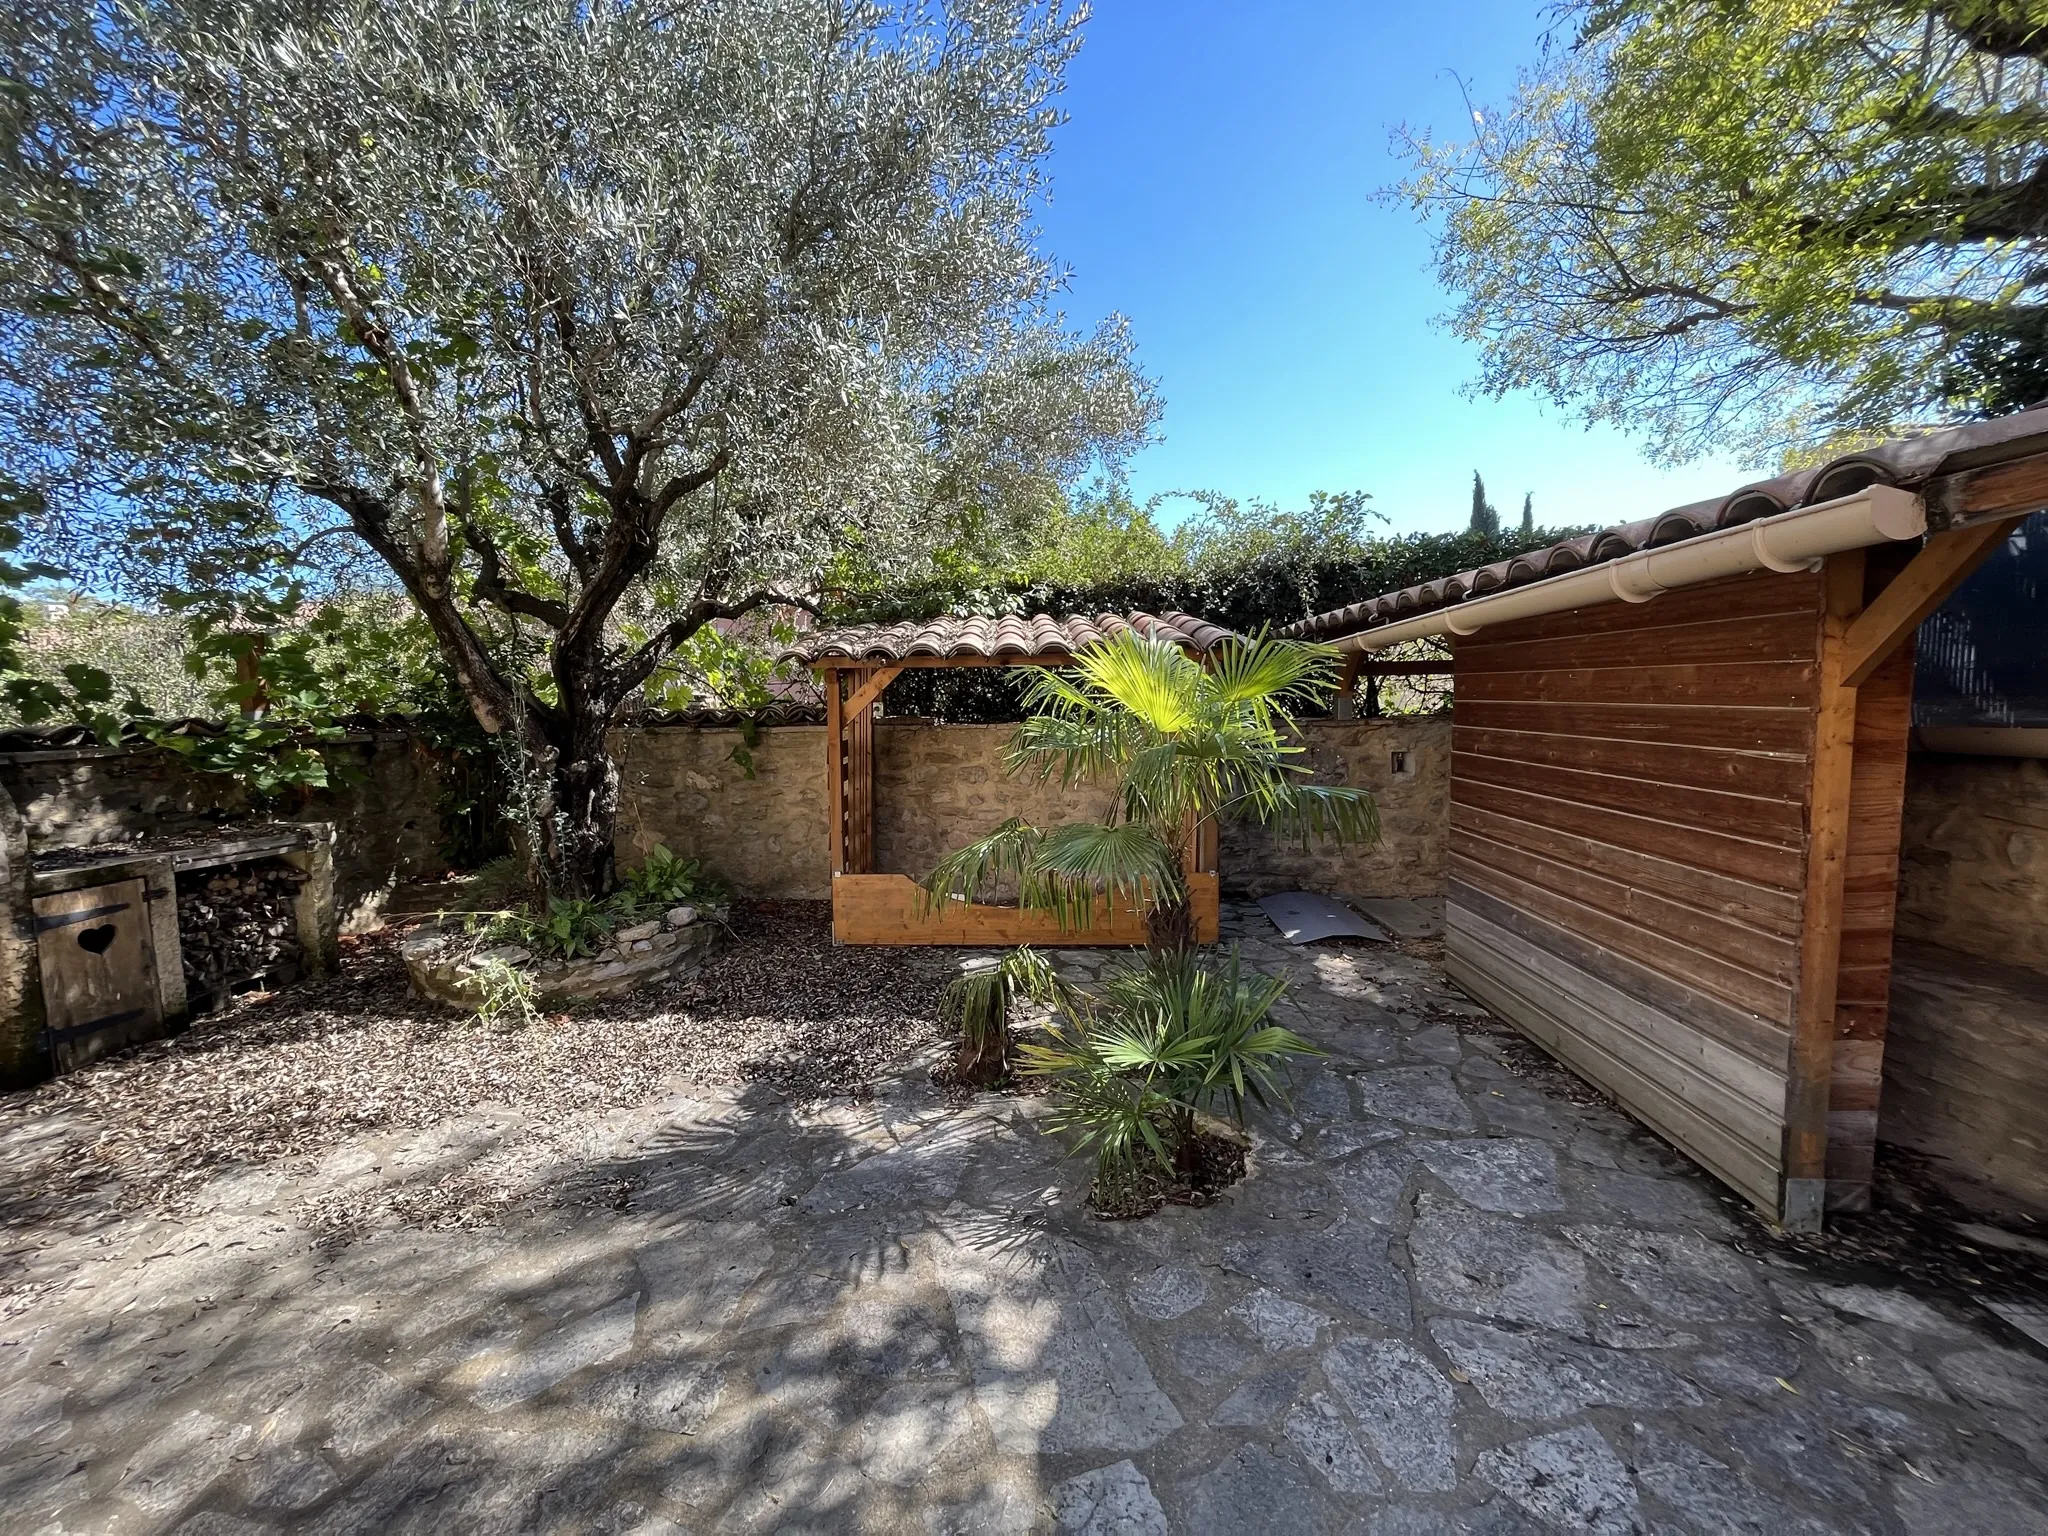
column 1942, row 565
column 870, row 691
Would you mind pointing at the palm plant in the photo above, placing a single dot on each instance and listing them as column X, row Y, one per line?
column 1165, row 1041
column 979, row 1003
column 1180, row 742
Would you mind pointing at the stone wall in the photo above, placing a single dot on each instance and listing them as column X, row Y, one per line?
column 757, row 820
column 388, row 828
column 1973, row 861
column 938, row 786
column 1414, row 811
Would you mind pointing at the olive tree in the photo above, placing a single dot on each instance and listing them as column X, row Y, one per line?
column 587, row 325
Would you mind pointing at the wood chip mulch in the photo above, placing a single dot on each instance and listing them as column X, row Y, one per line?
column 294, row 1074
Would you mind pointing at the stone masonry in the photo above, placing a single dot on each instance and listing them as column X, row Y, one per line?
column 387, row 827
column 939, row 786
column 1451, row 1297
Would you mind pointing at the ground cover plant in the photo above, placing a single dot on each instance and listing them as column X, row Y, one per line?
column 578, row 928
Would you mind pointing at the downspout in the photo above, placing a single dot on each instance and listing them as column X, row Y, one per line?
column 1798, row 540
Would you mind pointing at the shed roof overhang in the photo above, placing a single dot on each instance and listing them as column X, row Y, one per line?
column 1984, row 473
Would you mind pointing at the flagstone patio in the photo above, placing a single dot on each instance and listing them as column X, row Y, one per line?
column 1456, row 1293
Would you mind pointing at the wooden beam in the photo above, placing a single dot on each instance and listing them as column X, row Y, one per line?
column 835, row 775
column 1343, row 706
column 860, row 791
column 1442, row 668
column 1820, row 942
column 1940, row 567
column 870, row 691
column 2014, row 488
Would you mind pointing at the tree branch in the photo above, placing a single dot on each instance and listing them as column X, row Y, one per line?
column 490, row 581
column 2002, row 30
column 641, row 664
column 377, row 339
column 489, row 698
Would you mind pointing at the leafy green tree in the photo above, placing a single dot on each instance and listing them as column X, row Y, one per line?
column 1759, row 223
column 585, row 325
column 1177, row 741
column 1485, row 515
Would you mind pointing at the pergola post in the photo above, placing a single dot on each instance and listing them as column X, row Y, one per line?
column 850, row 764
column 835, row 771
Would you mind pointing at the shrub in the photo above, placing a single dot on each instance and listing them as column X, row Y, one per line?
column 506, row 1000
column 979, row 1004
column 1169, row 1039
column 574, row 928
column 665, row 881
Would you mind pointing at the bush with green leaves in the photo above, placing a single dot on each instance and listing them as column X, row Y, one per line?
column 666, row 880
column 1246, row 565
column 576, row 928
column 979, row 1005
column 1168, row 1040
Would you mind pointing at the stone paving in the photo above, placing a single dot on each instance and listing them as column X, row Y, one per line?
column 1451, row 1296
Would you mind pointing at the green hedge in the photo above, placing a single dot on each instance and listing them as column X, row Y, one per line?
column 1267, row 577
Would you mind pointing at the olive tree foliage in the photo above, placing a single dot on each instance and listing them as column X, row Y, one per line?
column 1758, row 223
column 586, row 324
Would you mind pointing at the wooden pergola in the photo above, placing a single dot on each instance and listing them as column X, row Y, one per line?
column 856, row 666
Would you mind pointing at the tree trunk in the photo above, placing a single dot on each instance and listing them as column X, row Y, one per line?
column 1170, row 925
column 574, row 800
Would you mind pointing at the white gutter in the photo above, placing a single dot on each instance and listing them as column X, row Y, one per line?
column 1798, row 540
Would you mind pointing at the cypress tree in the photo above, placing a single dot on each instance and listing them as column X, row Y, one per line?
column 1485, row 516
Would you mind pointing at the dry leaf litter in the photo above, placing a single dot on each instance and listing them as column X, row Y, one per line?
column 285, row 1078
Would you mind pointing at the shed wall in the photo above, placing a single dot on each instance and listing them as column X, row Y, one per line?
column 1628, row 851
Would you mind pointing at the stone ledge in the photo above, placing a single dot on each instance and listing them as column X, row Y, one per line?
column 444, row 968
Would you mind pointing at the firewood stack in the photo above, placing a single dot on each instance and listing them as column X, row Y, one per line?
column 235, row 924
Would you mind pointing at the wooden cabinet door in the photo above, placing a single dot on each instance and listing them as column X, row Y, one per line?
column 99, row 971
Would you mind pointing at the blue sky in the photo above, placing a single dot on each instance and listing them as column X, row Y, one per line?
column 1216, row 185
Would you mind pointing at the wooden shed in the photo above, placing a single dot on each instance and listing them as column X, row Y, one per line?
column 1679, row 751
column 856, row 664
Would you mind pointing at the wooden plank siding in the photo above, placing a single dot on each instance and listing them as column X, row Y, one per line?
column 1635, row 880
column 1629, row 851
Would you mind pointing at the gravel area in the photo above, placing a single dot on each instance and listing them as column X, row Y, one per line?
column 294, row 1074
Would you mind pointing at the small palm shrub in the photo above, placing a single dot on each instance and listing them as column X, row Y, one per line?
column 1167, row 1041
column 978, row 1004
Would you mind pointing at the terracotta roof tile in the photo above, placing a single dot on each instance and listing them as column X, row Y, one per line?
column 1039, row 634
column 1906, row 463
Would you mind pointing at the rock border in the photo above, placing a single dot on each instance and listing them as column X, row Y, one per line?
column 445, row 969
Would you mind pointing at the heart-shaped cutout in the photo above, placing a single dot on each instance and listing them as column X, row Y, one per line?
column 97, row 941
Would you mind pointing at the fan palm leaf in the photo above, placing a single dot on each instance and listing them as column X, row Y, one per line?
column 1006, row 854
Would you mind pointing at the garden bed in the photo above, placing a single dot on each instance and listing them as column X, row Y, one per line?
column 447, row 964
